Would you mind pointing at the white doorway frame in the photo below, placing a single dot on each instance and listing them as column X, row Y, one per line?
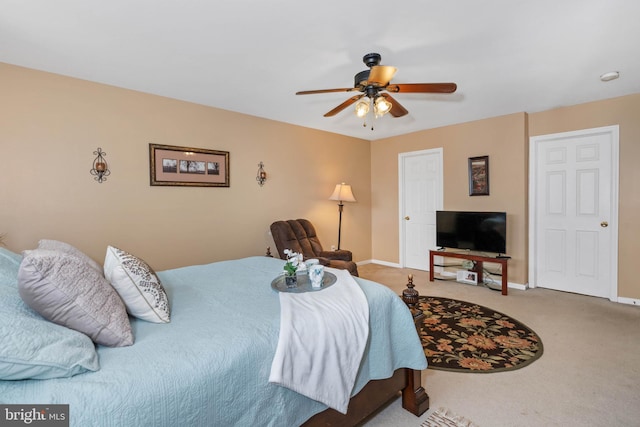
column 401, row 192
column 614, row 131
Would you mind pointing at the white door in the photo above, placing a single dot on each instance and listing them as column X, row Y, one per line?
column 573, row 212
column 421, row 188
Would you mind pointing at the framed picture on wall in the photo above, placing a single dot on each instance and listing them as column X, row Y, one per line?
column 479, row 176
column 189, row 167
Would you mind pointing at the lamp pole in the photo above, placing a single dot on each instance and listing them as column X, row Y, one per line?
column 340, row 207
column 342, row 193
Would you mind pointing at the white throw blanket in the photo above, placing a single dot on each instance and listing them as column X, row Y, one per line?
column 322, row 340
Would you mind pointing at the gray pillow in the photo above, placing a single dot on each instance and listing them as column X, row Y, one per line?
column 70, row 292
column 33, row 347
column 56, row 245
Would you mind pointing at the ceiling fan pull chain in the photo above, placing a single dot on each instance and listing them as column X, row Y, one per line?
column 364, row 124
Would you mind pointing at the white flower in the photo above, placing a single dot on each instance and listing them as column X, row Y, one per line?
column 294, row 260
column 301, row 265
column 292, row 257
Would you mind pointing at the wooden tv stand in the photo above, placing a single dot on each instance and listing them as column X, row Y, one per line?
column 479, row 259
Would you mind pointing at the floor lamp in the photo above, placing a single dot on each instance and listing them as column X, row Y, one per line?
column 342, row 193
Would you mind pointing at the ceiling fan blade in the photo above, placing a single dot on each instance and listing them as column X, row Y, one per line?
column 422, row 88
column 381, row 75
column 397, row 110
column 311, row 92
column 344, row 105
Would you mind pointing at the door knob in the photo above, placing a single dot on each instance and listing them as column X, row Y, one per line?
column 604, row 224
column 407, row 218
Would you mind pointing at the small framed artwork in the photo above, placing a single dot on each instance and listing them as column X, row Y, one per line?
column 189, row 167
column 479, row 176
column 468, row 277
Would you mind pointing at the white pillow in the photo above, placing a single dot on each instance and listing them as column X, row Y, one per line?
column 138, row 286
column 68, row 291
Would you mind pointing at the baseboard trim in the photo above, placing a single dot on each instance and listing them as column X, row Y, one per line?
column 510, row 285
column 518, row 286
column 385, row 263
column 630, row 301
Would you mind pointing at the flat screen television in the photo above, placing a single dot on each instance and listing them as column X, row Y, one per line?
column 476, row 231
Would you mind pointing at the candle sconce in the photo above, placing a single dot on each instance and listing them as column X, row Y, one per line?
column 261, row 176
column 100, row 167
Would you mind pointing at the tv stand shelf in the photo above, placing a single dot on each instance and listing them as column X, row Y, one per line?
column 478, row 259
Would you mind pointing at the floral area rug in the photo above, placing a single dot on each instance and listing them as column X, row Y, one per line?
column 465, row 337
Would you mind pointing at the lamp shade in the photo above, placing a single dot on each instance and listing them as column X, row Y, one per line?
column 343, row 193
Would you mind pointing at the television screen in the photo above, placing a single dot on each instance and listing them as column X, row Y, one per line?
column 476, row 231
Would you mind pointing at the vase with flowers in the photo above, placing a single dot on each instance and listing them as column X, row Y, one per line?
column 294, row 262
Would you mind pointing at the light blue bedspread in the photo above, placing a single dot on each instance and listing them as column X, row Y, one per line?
column 210, row 365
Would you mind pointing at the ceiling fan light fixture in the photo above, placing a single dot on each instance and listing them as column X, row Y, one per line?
column 382, row 106
column 370, row 83
column 362, row 107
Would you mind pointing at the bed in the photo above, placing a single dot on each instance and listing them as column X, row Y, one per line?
column 210, row 364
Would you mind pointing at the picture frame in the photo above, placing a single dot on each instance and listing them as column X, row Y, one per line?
column 466, row 276
column 479, row 176
column 171, row 165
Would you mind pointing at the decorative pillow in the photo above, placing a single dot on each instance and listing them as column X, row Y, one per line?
column 55, row 245
column 138, row 286
column 9, row 264
column 33, row 347
column 68, row 291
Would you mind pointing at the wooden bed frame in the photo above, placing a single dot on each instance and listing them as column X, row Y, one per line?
column 376, row 394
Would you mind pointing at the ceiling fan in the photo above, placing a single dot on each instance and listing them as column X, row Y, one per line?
column 373, row 84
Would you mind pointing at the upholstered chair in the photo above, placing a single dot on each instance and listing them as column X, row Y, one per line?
column 299, row 235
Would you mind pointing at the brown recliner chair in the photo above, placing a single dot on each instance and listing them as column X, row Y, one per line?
column 299, row 235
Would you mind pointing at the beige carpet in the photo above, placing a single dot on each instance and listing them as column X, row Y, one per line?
column 589, row 374
column 445, row 418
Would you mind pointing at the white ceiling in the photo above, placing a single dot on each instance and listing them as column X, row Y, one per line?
column 251, row 56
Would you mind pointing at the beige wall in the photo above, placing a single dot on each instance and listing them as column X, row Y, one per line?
column 50, row 126
column 503, row 139
column 625, row 112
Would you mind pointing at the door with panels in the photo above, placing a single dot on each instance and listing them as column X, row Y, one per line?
column 421, row 194
column 574, row 211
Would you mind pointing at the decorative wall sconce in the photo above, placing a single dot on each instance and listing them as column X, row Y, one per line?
column 261, row 176
column 100, row 167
